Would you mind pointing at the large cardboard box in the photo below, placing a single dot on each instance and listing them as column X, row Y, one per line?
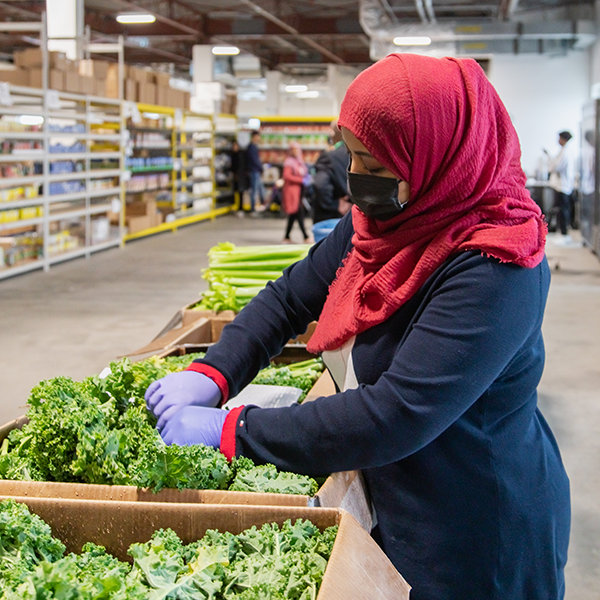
column 161, row 79
column 357, row 569
column 100, row 87
column 32, row 58
column 162, row 95
column 139, row 223
column 131, row 90
column 98, row 69
column 112, row 81
column 56, row 79
column 86, row 85
column 15, row 76
column 147, row 93
column 72, row 82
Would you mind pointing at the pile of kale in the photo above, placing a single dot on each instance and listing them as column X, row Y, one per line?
column 270, row 563
column 99, row 431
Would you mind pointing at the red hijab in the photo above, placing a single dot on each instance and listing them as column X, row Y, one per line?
column 439, row 125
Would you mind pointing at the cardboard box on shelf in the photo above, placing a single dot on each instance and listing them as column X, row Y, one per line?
column 139, row 223
column 140, row 75
column 15, row 76
column 32, row 58
column 112, row 81
column 162, row 95
column 139, row 208
column 131, row 90
column 72, row 82
column 357, row 567
column 100, row 87
column 160, row 78
column 147, row 93
column 86, row 85
column 94, row 68
column 175, row 98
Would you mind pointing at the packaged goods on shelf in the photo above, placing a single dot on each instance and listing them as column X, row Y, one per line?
column 58, row 148
column 9, row 216
column 25, row 192
column 61, row 242
column 8, row 146
column 17, row 249
column 141, row 183
column 76, row 128
column 19, row 169
column 65, row 187
column 101, row 184
column 65, row 166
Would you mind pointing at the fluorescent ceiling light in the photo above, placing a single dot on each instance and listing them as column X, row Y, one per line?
column 31, row 120
column 225, row 50
column 412, row 41
column 296, row 88
column 130, row 18
column 309, row 94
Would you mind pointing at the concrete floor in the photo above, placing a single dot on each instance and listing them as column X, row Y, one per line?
column 80, row 315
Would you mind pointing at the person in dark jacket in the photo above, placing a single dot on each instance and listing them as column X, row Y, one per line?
column 330, row 199
column 255, row 171
column 239, row 168
column 429, row 297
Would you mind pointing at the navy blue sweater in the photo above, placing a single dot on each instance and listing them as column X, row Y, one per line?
column 464, row 473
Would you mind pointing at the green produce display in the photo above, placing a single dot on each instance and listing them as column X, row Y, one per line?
column 267, row 563
column 99, row 431
column 302, row 375
column 238, row 273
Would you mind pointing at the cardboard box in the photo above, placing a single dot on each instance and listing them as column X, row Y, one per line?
column 112, row 81
column 100, row 87
column 147, row 93
column 161, row 79
column 131, row 90
column 86, row 85
column 175, row 98
column 140, row 208
column 15, row 77
column 357, row 568
column 98, row 69
column 137, row 224
column 162, row 95
column 72, row 82
column 32, row 58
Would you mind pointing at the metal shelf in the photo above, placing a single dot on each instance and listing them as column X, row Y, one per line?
column 22, row 223
column 18, row 181
column 24, row 268
column 20, row 135
column 22, row 203
column 39, row 156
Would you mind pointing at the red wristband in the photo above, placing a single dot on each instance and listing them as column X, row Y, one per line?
column 213, row 374
column 228, row 432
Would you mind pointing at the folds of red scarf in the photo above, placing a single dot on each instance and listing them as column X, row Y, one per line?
column 439, row 125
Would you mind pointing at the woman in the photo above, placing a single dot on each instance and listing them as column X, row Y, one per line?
column 429, row 298
column 294, row 174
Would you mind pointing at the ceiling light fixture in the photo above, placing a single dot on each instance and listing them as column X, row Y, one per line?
column 225, row 50
column 134, row 19
column 30, row 120
column 309, row 94
column 292, row 89
column 412, row 41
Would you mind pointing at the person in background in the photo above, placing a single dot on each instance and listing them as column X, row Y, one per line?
column 255, row 170
column 429, row 299
column 330, row 192
column 239, row 169
column 295, row 173
column 561, row 169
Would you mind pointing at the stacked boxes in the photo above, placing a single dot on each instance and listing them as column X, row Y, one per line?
column 94, row 78
column 141, row 213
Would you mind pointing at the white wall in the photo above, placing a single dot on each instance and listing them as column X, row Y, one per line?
column 544, row 95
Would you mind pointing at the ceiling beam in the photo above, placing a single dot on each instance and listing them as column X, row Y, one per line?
column 308, row 41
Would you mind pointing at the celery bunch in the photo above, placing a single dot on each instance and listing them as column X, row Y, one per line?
column 236, row 274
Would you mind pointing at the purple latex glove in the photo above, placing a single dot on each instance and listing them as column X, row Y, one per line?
column 166, row 396
column 192, row 425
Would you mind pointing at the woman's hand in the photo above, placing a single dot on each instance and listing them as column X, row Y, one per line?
column 166, row 396
column 193, row 425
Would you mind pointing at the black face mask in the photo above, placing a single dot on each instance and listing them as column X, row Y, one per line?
column 376, row 196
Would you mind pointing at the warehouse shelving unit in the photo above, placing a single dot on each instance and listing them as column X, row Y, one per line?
column 61, row 177
column 191, row 194
column 311, row 133
column 225, row 134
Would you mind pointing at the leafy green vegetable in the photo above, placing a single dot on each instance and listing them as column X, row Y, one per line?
column 99, row 431
column 271, row 562
column 302, row 375
column 238, row 273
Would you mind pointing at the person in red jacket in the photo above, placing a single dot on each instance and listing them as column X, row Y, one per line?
column 295, row 172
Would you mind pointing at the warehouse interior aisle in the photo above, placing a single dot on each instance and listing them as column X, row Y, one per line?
column 80, row 315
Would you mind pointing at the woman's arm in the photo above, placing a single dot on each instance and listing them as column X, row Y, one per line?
column 467, row 334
